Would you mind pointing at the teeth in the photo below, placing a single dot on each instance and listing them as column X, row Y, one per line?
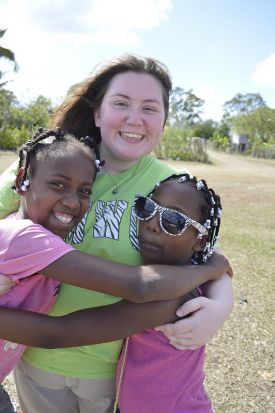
column 64, row 218
column 133, row 136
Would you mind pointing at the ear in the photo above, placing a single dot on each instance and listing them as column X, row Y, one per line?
column 97, row 117
column 18, row 181
column 200, row 243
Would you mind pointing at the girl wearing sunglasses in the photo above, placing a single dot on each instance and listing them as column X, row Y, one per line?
column 178, row 224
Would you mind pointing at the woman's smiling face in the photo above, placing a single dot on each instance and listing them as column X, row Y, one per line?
column 131, row 118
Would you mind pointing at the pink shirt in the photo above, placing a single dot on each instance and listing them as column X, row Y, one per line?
column 159, row 378
column 25, row 249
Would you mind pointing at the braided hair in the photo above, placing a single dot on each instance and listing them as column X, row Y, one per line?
column 210, row 209
column 48, row 141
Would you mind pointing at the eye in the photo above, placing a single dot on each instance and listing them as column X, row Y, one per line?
column 86, row 192
column 57, row 185
column 149, row 109
column 121, row 104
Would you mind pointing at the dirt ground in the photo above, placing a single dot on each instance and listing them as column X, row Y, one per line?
column 240, row 374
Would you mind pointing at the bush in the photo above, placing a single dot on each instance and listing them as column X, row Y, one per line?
column 178, row 144
column 13, row 138
column 263, row 150
column 220, row 141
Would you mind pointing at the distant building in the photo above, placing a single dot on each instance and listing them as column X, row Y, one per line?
column 240, row 141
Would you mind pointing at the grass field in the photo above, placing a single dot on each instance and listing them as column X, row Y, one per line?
column 240, row 360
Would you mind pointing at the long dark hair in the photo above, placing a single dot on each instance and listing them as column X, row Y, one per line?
column 76, row 114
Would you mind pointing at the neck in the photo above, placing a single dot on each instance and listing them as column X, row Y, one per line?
column 22, row 212
column 113, row 165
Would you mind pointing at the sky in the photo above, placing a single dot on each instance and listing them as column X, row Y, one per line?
column 217, row 48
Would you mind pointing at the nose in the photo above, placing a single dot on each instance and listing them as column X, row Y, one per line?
column 71, row 201
column 134, row 117
column 153, row 224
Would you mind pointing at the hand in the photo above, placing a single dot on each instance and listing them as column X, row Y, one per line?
column 207, row 317
column 6, row 284
column 219, row 265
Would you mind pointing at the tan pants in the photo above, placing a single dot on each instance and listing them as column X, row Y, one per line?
column 42, row 392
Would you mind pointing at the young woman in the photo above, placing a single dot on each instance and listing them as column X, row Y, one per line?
column 125, row 105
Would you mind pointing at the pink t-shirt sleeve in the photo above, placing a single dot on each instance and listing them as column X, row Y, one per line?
column 25, row 249
column 32, row 249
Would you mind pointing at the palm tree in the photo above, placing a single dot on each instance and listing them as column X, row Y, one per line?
column 6, row 54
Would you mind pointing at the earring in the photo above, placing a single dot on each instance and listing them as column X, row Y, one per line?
column 199, row 236
column 25, row 185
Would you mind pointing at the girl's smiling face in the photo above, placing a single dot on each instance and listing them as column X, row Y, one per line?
column 59, row 191
column 158, row 247
column 131, row 119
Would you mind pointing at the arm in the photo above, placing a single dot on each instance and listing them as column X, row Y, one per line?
column 138, row 284
column 90, row 326
column 134, row 283
column 207, row 316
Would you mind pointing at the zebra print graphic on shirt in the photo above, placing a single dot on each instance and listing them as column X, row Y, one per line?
column 133, row 231
column 108, row 218
column 76, row 236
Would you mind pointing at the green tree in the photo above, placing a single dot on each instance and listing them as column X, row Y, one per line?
column 18, row 122
column 6, row 54
column 7, row 102
column 185, row 108
column 258, row 124
column 35, row 114
column 243, row 104
column 205, row 129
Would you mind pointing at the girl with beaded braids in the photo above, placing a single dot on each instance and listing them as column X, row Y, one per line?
column 124, row 104
column 179, row 224
column 54, row 180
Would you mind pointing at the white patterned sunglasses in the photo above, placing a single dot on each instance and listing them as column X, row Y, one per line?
column 172, row 222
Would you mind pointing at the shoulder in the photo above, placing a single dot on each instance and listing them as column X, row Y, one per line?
column 154, row 169
column 11, row 226
column 24, row 231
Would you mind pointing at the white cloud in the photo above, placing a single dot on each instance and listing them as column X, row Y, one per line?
column 57, row 42
column 213, row 102
column 125, row 15
column 264, row 73
column 114, row 21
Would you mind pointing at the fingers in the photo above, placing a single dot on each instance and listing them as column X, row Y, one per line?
column 191, row 306
column 184, row 343
column 183, row 347
column 230, row 271
column 178, row 329
column 185, row 325
column 168, row 329
column 5, row 284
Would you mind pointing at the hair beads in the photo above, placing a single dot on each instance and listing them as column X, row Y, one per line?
column 46, row 141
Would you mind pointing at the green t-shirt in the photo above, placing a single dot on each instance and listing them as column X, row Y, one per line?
column 9, row 200
column 108, row 230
